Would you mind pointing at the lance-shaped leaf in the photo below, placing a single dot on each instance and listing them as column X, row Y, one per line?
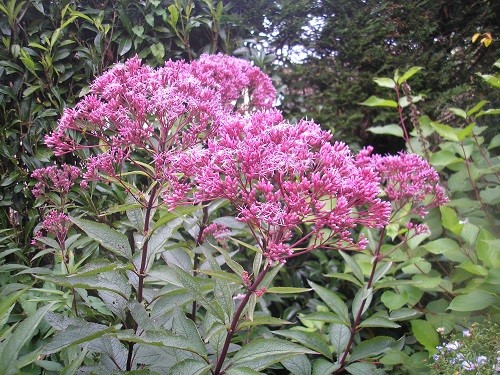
column 311, row 340
column 108, row 237
column 333, row 301
column 298, row 365
column 191, row 367
column 371, row 348
column 24, row 331
column 185, row 327
column 261, row 353
column 374, row 101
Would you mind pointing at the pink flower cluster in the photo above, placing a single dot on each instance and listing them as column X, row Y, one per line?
column 56, row 223
column 206, row 130
column 53, row 178
column 408, row 181
column 134, row 112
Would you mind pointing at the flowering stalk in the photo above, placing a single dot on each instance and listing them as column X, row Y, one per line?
column 252, row 288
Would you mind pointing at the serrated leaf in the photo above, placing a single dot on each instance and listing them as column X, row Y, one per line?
column 191, row 367
column 459, row 112
column 391, row 129
column 185, row 327
column 298, row 365
column 323, row 316
column 426, row 334
column 333, row 301
column 109, row 238
column 311, row 340
column 261, row 353
column 15, row 341
column 374, row 101
column 364, row 369
column 371, row 348
column 323, row 367
column 445, row 131
column 393, row 300
column 339, row 337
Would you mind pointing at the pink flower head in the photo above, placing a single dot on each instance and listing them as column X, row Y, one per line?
column 407, row 179
column 53, row 178
column 56, row 223
column 281, row 176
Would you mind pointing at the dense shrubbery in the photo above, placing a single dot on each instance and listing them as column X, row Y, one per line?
column 188, row 228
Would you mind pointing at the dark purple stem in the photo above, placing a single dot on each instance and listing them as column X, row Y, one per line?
column 236, row 318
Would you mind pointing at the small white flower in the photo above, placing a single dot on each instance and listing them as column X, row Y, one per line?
column 440, row 330
column 466, row 333
column 454, row 345
column 468, row 366
column 481, row 360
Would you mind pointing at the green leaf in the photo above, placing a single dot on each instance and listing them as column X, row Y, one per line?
column 242, row 371
column 393, row 357
column 473, row 301
column 109, row 238
column 75, row 364
column 404, row 314
column 339, row 337
column 323, row 316
column 459, row 112
column 333, row 301
column 475, row 269
column 346, row 277
column 262, row 320
column 491, row 79
column 477, row 107
column 491, row 195
column 371, row 348
column 287, row 290
column 408, row 74
column 385, row 82
column 185, row 327
column 362, row 298
column 191, row 367
column 495, row 142
column 311, row 340
column 450, row 220
column 14, row 342
column 426, row 334
column 364, row 369
column 353, row 265
column 447, row 247
column 261, row 353
column 445, row 131
column 323, row 367
column 391, row 129
column 374, row 101
column 378, row 321
column 392, row 300
column 298, row 365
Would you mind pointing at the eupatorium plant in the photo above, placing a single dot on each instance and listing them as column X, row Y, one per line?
column 204, row 135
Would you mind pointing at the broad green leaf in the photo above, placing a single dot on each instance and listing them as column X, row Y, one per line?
column 404, row 314
column 473, row 301
column 333, row 301
column 371, row 348
column 109, row 238
column 489, row 112
column 428, row 282
column 12, row 345
column 323, row 316
column 298, row 365
column 241, row 371
column 385, row 82
column 450, row 220
column 487, row 251
column 311, row 340
column 491, row 79
column 10, row 299
column 475, row 269
column 364, row 368
column 346, row 277
column 392, row 300
column 73, row 332
column 426, row 334
column 447, row 247
column 408, row 74
column 444, row 158
column 458, row 112
column 466, row 132
column 261, row 353
column 323, row 367
column 491, row 195
column 185, row 327
column 191, row 367
column 445, row 131
column 391, row 129
column 393, row 357
column 374, row 101
column 378, row 321
column 339, row 337
column 495, row 142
